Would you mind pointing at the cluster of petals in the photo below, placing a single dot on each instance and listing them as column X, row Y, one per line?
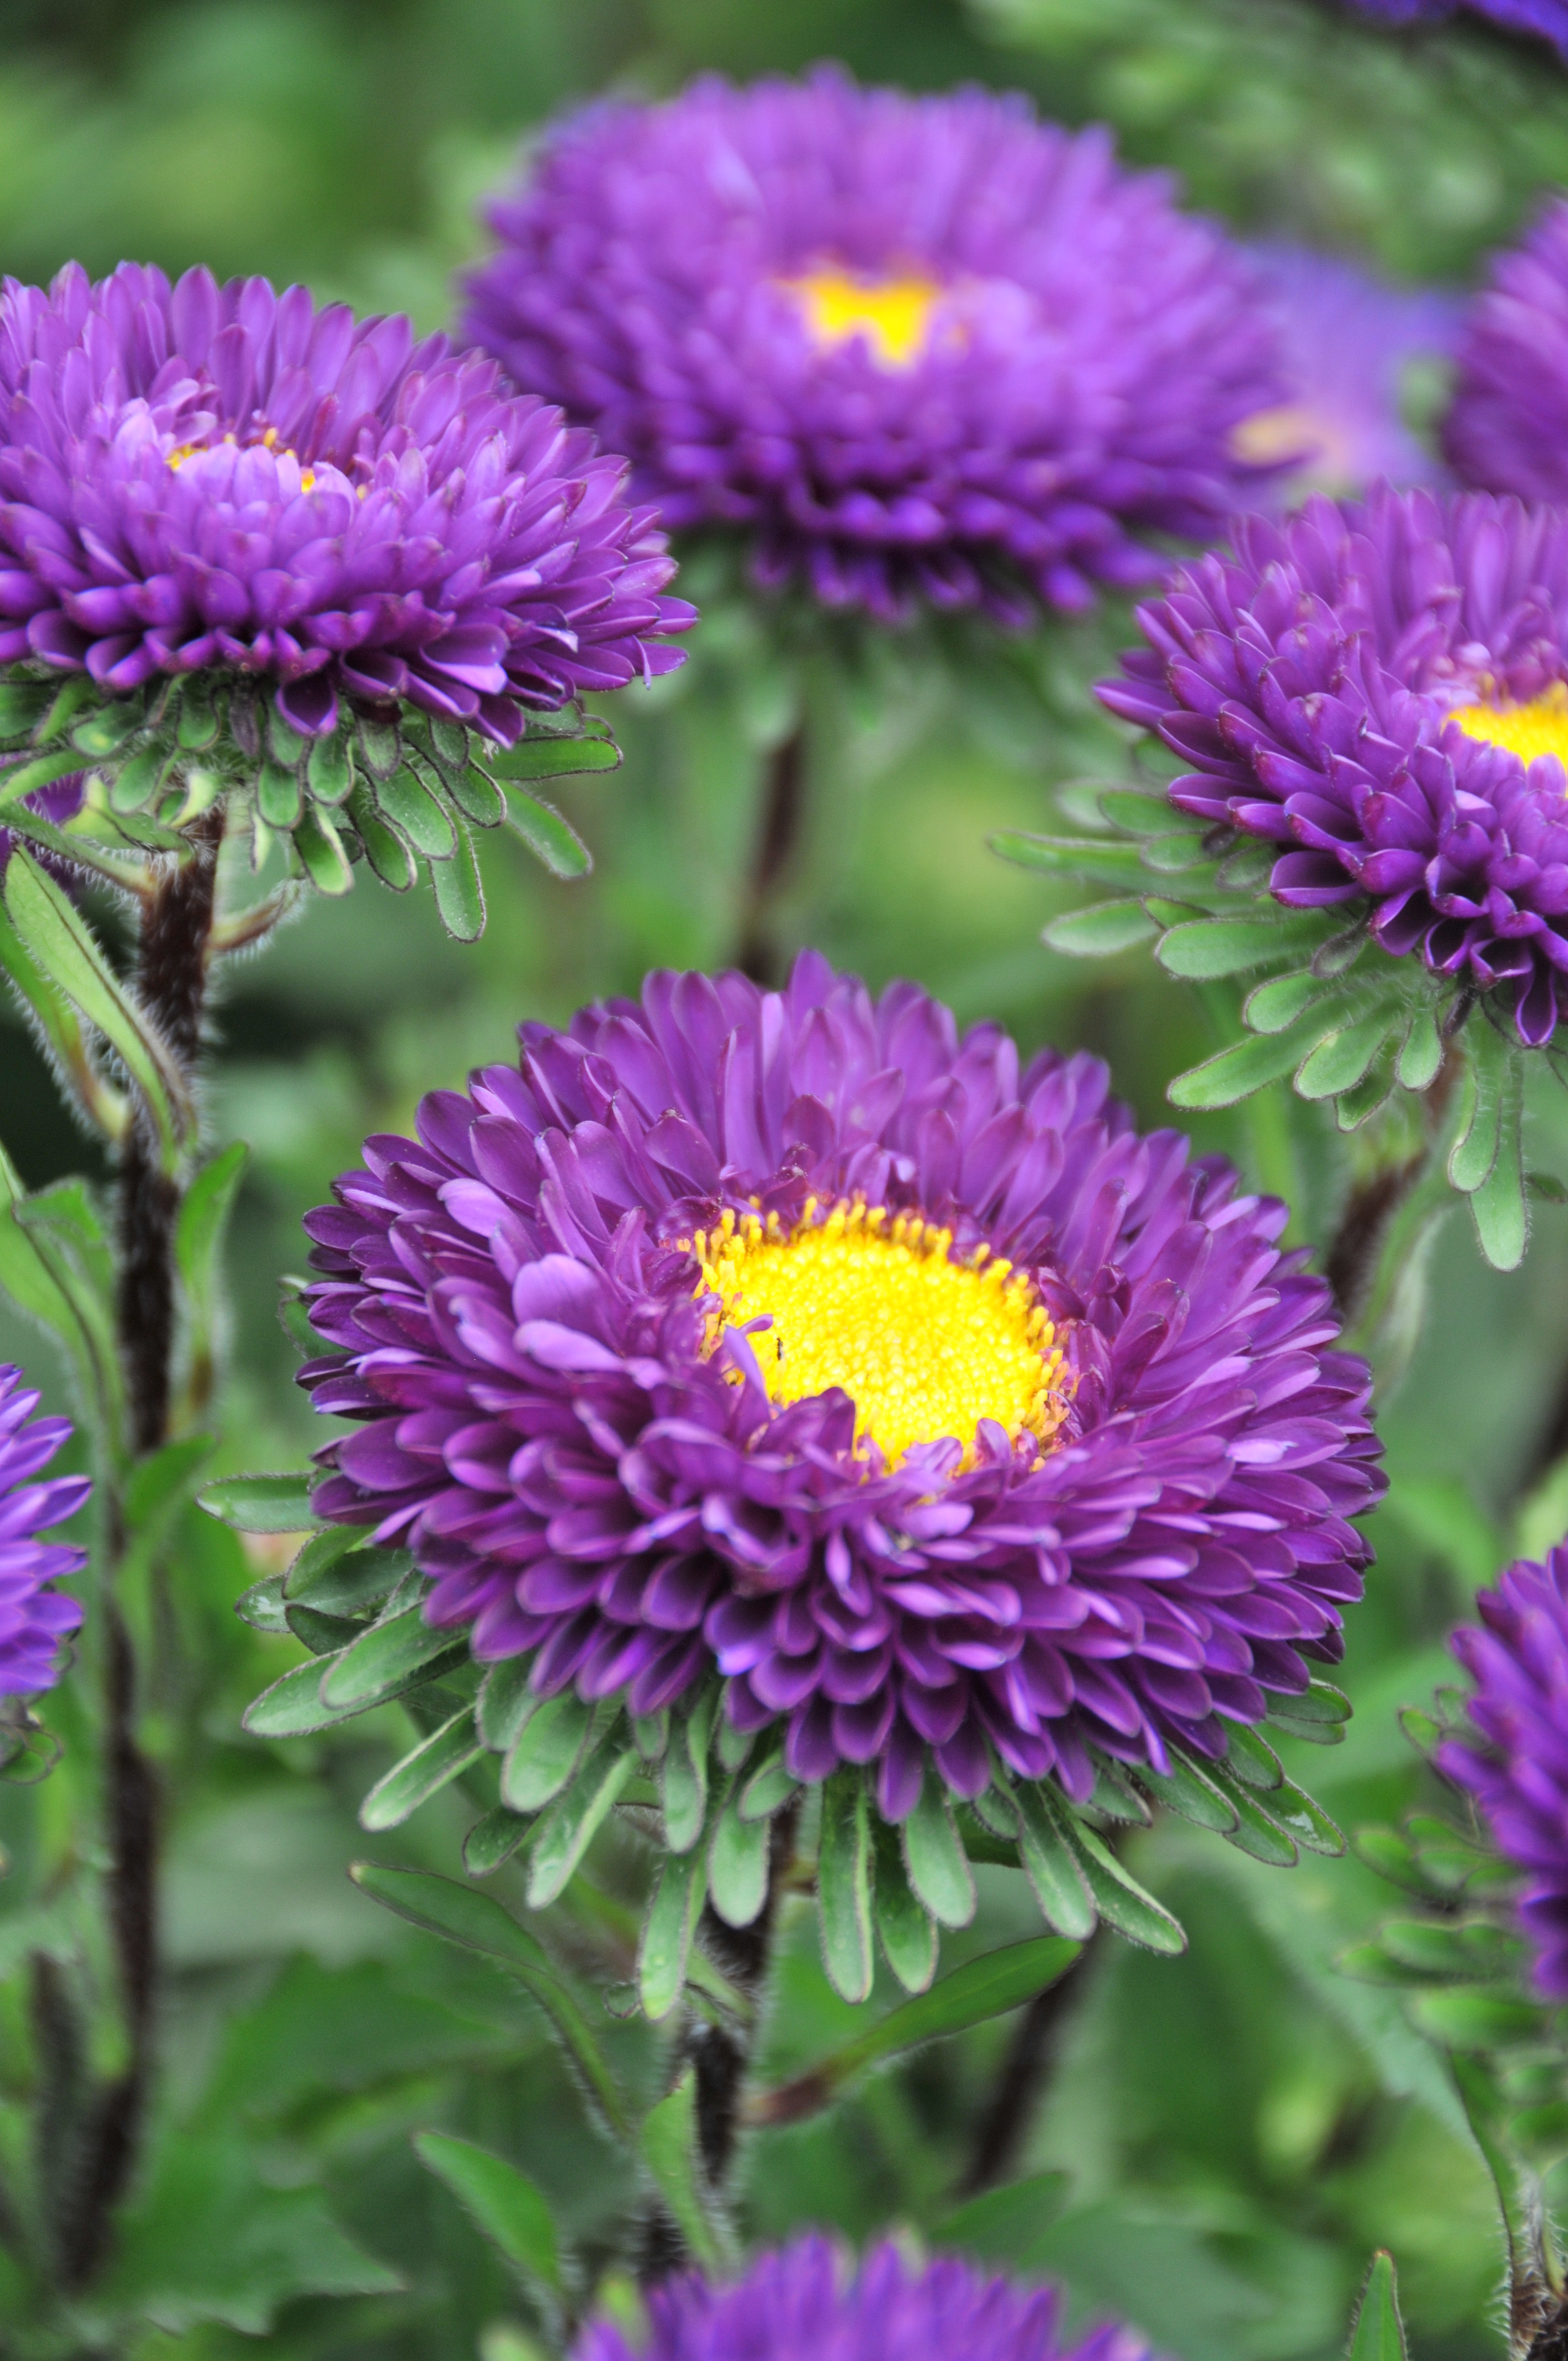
column 518, row 1326
column 1516, row 1762
column 1549, row 19
column 203, row 476
column 1308, row 676
column 34, row 1617
column 1092, row 352
column 1507, row 429
column 801, row 2299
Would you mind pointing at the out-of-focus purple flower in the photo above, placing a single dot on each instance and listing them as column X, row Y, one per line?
column 1517, row 1765
column 201, row 477
column 1547, row 18
column 34, row 1617
column 58, row 803
column 1380, row 689
column 921, row 350
column 1042, row 1441
column 1346, row 338
column 1507, row 430
column 805, row 2299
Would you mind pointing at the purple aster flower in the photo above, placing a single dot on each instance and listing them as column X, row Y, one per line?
column 1547, row 18
column 918, row 349
column 1507, row 430
column 1345, row 338
column 34, row 1617
column 792, row 1335
column 1380, row 689
column 58, row 803
column 1516, row 1762
column 805, row 2299
column 201, row 477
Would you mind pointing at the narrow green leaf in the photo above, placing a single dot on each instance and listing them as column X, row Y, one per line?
column 479, row 1923
column 335, row 1575
column 459, row 893
column 380, row 747
column 548, row 837
column 476, row 797
column 1192, row 1794
column 768, row 1789
column 322, row 853
column 203, row 1217
column 572, row 1822
column 737, row 1866
column 1300, row 1817
column 1051, row 1866
column 385, row 1660
column 493, row 1840
column 545, row 1751
column 1270, row 1007
column 1001, row 2225
column 1255, row 1831
column 1203, row 949
column 685, row 1776
column 63, row 1032
column 23, row 704
column 261, row 1504
column 292, row 1706
column 1422, row 1053
column 1475, row 2020
column 552, row 754
column 667, row 1932
column 669, row 2149
column 934, row 1854
column 198, row 725
column 139, row 780
column 1097, row 860
column 1344, row 1058
column 1100, row 931
column 1141, row 814
column 1499, row 1206
column 506, row 1702
column 1251, row 1065
column 262, row 1605
column 501, row 2201
column 1117, row 1896
column 42, row 772
column 385, row 850
column 409, row 806
column 324, row 1635
column 329, row 771
column 908, row 1936
column 280, row 797
column 1251, row 1757
column 439, row 1758
column 1378, row 2332
column 844, row 1885
column 1475, row 1152
column 1320, row 1701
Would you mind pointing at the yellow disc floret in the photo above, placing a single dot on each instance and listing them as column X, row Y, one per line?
column 1541, row 727
column 925, row 1345
column 893, row 314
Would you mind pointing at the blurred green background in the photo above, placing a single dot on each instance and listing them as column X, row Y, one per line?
column 1239, row 2129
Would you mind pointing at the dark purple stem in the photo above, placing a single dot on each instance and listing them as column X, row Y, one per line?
column 759, row 953
column 1026, row 2073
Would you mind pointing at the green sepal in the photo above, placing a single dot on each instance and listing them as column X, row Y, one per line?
column 389, row 1657
column 545, row 1751
column 292, row 1706
column 684, row 1780
column 1204, row 948
column 909, row 1936
column 329, row 770
column 324, row 1635
column 569, row 1827
column 738, row 1865
column 506, row 1702
column 280, row 797
column 935, row 1856
column 1468, row 2020
column 410, row 806
column 1474, row 1151
column 335, row 1573
column 1499, row 1206
column 555, row 754
column 439, row 1758
column 493, row 1840
column 1191, row 1794
column 1115, row 1894
column 262, row 1605
column 322, row 853
column 261, row 1504
column 1343, row 1059
column 768, row 1789
column 1052, row 1867
column 551, row 840
column 1101, row 931
column 1378, row 2332
column 1251, row 1757
column 843, row 1879
column 385, row 850
column 459, row 889
column 667, row 1929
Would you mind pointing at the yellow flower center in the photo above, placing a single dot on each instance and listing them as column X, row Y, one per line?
column 1541, row 727
column 924, row 1347
column 269, row 441
column 893, row 314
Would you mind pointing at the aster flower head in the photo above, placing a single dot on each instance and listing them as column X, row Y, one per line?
column 34, row 1616
column 1514, row 1757
column 1347, row 342
column 793, row 1342
column 1508, row 428
column 803, row 2300
column 924, row 352
column 1549, row 19
column 247, row 538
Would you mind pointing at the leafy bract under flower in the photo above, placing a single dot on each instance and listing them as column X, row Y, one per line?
column 920, row 350
column 1508, row 429
column 34, row 1617
column 1378, row 689
column 1516, row 1764
column 198, row 478
column 804, row 2300
column 569, row 1422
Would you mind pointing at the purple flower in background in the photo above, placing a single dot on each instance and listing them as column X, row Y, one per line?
column 204, row 476
column 1380, row 689
column 1547, row 18
column 58, row 803
column 34, row 1617
column 917, row 350
column 1517, row 1765
column 1507, row 430
column 1346, row 338
column 805, row 2299
column 790, row 1334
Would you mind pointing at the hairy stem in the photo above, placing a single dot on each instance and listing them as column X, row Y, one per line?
column 1025, row 2076
column 758, row 951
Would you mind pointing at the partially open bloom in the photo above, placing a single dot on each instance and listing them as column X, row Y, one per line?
column 198, row 477
column 1515, row 1765
column 1547, row 18
column 802, row 2300
column 1380, row 690
column 917, row 350
column 792, row 1335
column 1347, row 341
column 1507, row 430
column 34, row 1616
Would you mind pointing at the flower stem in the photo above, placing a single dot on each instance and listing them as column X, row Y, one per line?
column 1025, row 2076
column 758, row 951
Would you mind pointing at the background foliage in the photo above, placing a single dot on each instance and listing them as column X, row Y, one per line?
column 1235, row 2130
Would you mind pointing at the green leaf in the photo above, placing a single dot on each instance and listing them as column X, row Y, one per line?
column 1343, row 1059
column 506, row 1702
column 160, row 1483
column 548, row 837
column 1140, row 813
column 669, row 2149
column 1422, row 1053
column 1378, row 2332
column 934, row 1857
column 737, row 1866
column 336, row 1574
column 1251, row 1757
column 329, row 771
column 567, row 1829
column 385, row 850
column 385, row 1660
column 1051, row 1866
column 1475, row 2020
column 280, row 797
column 683, row 1777
column 476, row 797
column 412, row 810
column 261, row 1504
column 42, row 772
column 1097, row 860
column 1000, row 2226
column 459, row 893
column 321, row 852
column 433, row 1764
column 908, row 1936
column 545, row 1751
column 1270, row 1007
column 1255, row 1831
column 844, row 1885
column 1192, row 1794
column 262, row 1605
column 667, row 1931
column 769, row 1787
column 23, row 704
column 479, row 1923
column 1319, row 1706
column 1499, row 1206
column 1204, row 948
column 1247, row 1066
column 1117, row 1895
column 493, row 1840
column 552, row 754
column 292, row 1706
column 54, row 931
column 1100, row 931
column 1474, row 1151
column 501, row 2201
column 64, row 1035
